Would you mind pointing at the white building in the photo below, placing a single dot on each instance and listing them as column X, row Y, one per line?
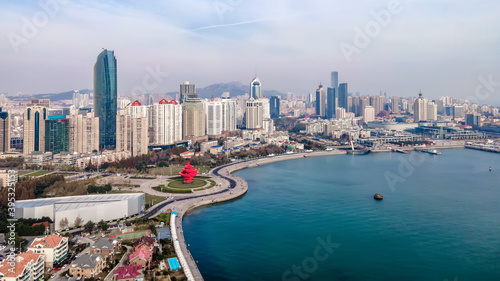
column 94, row 208
column 431, row 111
column 420, row 109
column 368, row 114
column 83, row 132
column 132, row 129
column 80, row 100
column 54, row 247
column 340, row 113
column 253, row 114
column 266, row 108
column 268, row 125
column 167, row 122
column 213, row 115
column 27, row 266
column 228, row 114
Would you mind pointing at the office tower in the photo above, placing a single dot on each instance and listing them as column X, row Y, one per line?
column 253, row 114
column 343, row 96
column 275, row 106
column 474, row 120
column 440, row 107
column 167, row 122
column 368, row 114
column 335, row 80
column 34, row 128
column 229, row 119
column 360, row 103
column 395, row 104
column 431, row 111
column 340, row 112
column 420, row 109
column 350, row 104
column 105, row 97
column 56, row 134
column 80, row 100
column 331, row 102
column 187, row 91
column 213, row 113
column 193, row 118
column 377, row 102
column 132, row 130
column 4, row 131
column 83, row 132
column 310, row 99
column 255, row 88
column 266, row 108
column 320, row 101
column 457, row 111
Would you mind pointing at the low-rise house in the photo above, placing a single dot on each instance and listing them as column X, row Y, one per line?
column 106, row 246
column 129, row 273
column 25, row 267
column 88, row 266
column 145, row 242
column 54, row 247
column 142, row 257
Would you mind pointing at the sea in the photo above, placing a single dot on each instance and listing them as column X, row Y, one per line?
column 316, row 219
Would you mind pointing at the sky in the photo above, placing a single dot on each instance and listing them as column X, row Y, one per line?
column 400, row 47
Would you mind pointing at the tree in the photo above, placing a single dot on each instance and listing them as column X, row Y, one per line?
column 103, row 225
column 89, row 226
column 78, row 221
column 63, row 223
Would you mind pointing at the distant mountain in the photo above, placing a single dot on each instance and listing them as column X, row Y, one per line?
column 52, row 96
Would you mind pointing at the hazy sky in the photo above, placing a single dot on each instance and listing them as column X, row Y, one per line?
column 439, row 47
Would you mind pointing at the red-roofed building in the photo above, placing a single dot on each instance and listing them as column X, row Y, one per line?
column 142, row 257
column 26, row 267
column 129, row 273
column 145, row 242
column 136, row 103
column 54, row 247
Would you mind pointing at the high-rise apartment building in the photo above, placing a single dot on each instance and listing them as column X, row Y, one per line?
column 34, row 128
column 228, row 114
column 80, row 100
column 105, row 97
column 320, row 101
column 431, row 111
column 457, row 111
column 253, row 114
column 213, row 113
column 377, row 102
column 187, row 91
column 274, row 105
column 420, row 109
column 167, row 122
column 255, row 88
column 83, row 132
column 193, row 118
column 474, row 120
column 395, row 104
column 266, row 108
column 4, row 131
column 132, row 130
column 368, row 114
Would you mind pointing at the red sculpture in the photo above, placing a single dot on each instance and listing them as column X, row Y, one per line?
column 188, row 173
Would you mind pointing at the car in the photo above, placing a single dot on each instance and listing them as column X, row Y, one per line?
column 53, row 275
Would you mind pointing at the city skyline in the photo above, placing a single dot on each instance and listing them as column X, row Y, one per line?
column 409, row 54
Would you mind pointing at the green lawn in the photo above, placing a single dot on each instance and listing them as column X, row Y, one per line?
column 174, row 170
column 179, row 183
column 162, row 188
column 37, row 173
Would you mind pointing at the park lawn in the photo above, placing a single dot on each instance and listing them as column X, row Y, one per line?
column 37, row 173
column 174, row 170
column 179, row 183
column 162, row 188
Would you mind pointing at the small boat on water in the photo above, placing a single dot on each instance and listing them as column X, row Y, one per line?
column 433, row 152
column 378, row 196
column 359, row 151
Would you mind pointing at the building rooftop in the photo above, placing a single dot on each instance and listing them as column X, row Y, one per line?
column 105, row 244
column 75, row 202
column 50, row 241
column 142, row 253
column 87, row 261
column 128, row 272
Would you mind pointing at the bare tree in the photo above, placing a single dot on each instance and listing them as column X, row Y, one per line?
column 78, row 221
column 63, row 223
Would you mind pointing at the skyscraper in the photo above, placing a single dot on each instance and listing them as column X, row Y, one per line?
column 332, row 95
column 34, row 128
column 368, row 114
column 105, row 97
column 431, row 111
column 4, row 131
column 420, row 109
column 395, row 104
column 228, row 114
column 56, row 134
column 275, row 106
column 193, row 118
column 187, row 91
column 167, row 122
column 320, row 101
column 343, row 96
column 253, row 114
column 213, row 113
column 83, row 132
column 255, row 88
column 132, row 130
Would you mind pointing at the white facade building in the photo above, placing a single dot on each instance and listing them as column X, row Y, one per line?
column 213, row 115
column 167, row 122
column 368, row 114
column 228, row 114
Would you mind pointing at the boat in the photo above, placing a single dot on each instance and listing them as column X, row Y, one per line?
column 354, row 151
column 378, row 196
column 433, row 152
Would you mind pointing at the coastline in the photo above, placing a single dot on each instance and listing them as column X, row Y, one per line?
column 240, row 188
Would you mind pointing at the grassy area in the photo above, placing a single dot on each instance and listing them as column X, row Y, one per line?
column 175, row 169
column 162, row 188
column 179, row 183
column 37, row 173
column 212, row 184
column 149, row 198
column 164, row 217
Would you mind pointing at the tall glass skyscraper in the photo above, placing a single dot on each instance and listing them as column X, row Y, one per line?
column 275, row 106
column 255, row 88
column 343, row 96
column 332, row 95
column 56, row 134
column 105, row 97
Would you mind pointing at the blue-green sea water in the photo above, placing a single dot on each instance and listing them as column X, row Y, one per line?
column 316, row 219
